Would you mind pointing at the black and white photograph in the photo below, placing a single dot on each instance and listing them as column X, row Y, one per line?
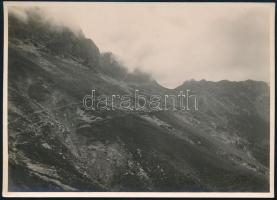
column 138, row 99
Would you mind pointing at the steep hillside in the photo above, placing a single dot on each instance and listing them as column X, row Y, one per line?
column 57, row 145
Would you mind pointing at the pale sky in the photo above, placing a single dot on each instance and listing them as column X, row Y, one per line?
column 179, row 41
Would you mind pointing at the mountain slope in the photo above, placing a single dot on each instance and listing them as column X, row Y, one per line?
column 57, row 145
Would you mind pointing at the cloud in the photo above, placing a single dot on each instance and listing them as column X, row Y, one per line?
column 178, row 41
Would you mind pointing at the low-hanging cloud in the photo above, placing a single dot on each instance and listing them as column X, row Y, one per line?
column 178, row 41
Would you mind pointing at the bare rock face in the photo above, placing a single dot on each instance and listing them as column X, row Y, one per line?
column 112, row 67
column 57, row 145
column 57, row 40
column 88, row 52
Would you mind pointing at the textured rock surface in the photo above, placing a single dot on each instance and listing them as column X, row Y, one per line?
column 56, row 145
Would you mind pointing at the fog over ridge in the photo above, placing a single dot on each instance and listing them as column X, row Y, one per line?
column 180, row 42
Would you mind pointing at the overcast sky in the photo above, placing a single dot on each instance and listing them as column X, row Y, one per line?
column 179, row 41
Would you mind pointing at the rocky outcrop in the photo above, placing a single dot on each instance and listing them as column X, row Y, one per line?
column 57, row 145
column 55, row 39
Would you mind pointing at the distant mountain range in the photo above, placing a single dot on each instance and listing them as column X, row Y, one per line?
column 56, row 145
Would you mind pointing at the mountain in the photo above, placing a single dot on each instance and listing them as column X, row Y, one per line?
column 57, row 145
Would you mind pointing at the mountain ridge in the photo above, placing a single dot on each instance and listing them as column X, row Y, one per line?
column 57, row 145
